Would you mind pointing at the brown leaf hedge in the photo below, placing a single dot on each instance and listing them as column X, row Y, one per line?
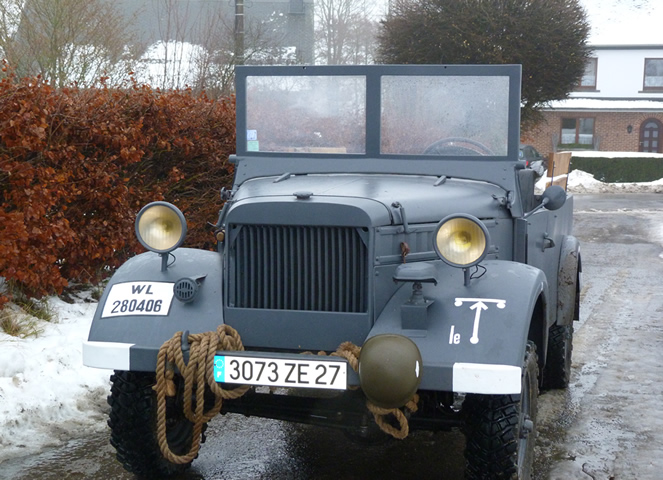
column 77, row 164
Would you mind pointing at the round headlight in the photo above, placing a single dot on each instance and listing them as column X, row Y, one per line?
column 461, row 240
column 160, row 227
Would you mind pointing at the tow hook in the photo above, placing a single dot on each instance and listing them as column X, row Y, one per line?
column 528, row 426
column 185, row 346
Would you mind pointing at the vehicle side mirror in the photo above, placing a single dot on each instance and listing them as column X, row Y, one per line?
column 552, row 199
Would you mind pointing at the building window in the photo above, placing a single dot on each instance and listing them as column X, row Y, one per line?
column 653, row 74
column 578, row 132
column 588, row 80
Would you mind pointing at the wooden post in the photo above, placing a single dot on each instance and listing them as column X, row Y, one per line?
column 558, row 169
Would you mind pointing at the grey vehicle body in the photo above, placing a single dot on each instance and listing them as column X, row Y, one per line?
column 328, row 229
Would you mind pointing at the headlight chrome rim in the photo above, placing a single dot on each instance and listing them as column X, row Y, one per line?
column 461, row 240
column 160, row 227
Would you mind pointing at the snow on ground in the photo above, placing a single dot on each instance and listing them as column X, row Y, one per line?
column 583, row 182
column 47, row 396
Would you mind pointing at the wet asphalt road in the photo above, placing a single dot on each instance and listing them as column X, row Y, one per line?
column 607, row 425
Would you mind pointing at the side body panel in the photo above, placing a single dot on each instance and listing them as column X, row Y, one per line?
column 546, row 233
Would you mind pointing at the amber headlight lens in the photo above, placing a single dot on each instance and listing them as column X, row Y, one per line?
column 461, row 240
column 160, row 227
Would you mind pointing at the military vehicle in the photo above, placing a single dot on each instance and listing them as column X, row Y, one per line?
column 383, row 259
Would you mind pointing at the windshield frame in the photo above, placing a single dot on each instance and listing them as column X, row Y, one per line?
column 373, row 109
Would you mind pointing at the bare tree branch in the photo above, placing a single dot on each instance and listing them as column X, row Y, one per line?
column 65, row 40
column 345, row 31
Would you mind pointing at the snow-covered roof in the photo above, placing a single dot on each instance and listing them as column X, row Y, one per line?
column 574, row 104
column 620, row 46
column 599, row 154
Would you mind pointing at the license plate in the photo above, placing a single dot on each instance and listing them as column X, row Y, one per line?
column 138, row 298
column 280, row 372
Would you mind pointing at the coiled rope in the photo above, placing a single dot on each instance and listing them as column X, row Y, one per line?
column 199, row 372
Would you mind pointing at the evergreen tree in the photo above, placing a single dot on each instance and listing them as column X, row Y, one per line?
column 547, row 37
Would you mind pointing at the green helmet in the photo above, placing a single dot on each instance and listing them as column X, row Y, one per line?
column 389, row 370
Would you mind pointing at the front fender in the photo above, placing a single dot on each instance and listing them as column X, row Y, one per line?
column 567, row 286
column 473, row 338
column 130, row 341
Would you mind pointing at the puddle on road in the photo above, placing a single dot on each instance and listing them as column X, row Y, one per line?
column 557, row 411
column 267, row 449
column 239, row 448
column 78, row 459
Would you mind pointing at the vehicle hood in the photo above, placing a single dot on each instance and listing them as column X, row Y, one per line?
column 382, row 198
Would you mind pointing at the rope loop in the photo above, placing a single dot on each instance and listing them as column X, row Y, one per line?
column 381, row 416
column 198, row 373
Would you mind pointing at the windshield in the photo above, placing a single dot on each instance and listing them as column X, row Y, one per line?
column 444, row 115
column 379, row 110
column 317, row 114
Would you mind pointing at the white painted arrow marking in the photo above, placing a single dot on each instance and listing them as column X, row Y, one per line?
column 479, row 304
column 477, row 307
column 500, row 303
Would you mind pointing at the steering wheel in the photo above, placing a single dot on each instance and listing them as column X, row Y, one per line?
column 457, row 146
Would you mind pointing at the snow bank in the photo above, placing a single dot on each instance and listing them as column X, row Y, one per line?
column 583, row 182
column 46, row 394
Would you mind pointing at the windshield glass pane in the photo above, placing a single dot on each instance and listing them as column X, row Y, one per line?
column 445, row 115
column 312, row 114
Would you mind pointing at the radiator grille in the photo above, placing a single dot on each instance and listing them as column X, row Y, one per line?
column 299, row 268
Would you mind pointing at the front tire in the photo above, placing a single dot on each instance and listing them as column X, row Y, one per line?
column 557, row 372
column 500, row 429
column 133, row 424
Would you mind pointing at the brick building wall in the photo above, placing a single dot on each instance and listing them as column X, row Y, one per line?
column 610, row 129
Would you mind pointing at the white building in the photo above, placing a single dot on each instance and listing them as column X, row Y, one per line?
column 618, row 105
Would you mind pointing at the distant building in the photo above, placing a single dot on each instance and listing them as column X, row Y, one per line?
column 618, row 105
column 296, row 28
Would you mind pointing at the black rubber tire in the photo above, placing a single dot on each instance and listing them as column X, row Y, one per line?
column 557, row 372
column 500, row 429
column 132, row 422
